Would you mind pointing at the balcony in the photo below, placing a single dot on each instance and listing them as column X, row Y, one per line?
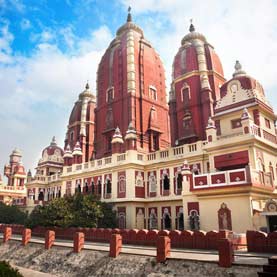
column 229, row 178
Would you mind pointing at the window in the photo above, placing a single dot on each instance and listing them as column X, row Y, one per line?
column 236, row 123
column 267, row 123
column 99, row 187
column 179, row 181
column 110, row 95
column 166, row 182
column 155, row 142
column 152, row 182
column 185, row 95
column 108, row 186
column 92, row 188
column 153, row 92
column 109, row 144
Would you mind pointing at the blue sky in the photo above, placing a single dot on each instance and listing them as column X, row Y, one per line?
column 48, row 49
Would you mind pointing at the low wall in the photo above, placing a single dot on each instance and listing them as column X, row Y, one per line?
column 261, row 242
column 179, row 239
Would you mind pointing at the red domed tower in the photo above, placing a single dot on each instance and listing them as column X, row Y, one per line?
column 131, row 92
column 81, row 125
column 196, row 79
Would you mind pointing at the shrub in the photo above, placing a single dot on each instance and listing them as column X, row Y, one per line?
column 7, row 271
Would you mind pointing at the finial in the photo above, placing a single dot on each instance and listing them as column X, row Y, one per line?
column 238, row 65
column 53, row 142
column 238, row 70
column 191, row 27
column 87, row 85
column 129, row 17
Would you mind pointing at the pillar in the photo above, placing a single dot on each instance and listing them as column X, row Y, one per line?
column 49, row 239
column 163, row 248
column 78, row 243
column 26, row 236
column 7, row 234
column 225, row 253
column 115, row 245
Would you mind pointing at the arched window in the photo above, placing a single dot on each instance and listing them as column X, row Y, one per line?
column 108, row 186
column 165, row 181
column 99, row 187
column 92, row 188
column 179, row 181
column 41, row 195
column 271, row 170
column 86, row 187
column 152, row 182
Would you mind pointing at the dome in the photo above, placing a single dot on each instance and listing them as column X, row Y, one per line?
column 241, row 89
column 77, row 109
column 52, row 153
column 16, row 152
column 245, row 81
column 186, row 59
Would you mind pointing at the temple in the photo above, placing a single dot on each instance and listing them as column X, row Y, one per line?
column 202, row 158
column 13, row 191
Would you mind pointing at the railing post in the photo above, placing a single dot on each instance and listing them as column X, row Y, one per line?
column 225, row 253
column 7, row 234
column 78, row 244
column 26, row 236
column 115, row 245
column 49, row 239
column 163, row 248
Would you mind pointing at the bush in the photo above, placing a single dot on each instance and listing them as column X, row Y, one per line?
column 7, row 271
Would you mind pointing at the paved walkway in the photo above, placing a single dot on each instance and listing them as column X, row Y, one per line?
column 241, row 257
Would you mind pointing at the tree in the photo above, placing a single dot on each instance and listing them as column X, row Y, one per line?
column 11, row 215
column 73, row 211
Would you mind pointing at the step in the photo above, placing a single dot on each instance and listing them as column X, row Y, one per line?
column 270, row 268
column 272, row 260
column 267, row 274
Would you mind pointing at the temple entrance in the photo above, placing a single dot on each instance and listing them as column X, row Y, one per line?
column 272, row 223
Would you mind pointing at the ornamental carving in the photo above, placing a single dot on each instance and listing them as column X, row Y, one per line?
column 224, row 218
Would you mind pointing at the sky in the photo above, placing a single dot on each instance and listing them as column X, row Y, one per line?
column 50, row 48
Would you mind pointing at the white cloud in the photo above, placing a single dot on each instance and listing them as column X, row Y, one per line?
column 38, row 92
column 239, row 30
column 25, row 24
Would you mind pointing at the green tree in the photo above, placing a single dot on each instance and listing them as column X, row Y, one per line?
column 73, row 211
column 11, row 215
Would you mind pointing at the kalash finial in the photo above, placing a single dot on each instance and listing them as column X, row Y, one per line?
column 129, row 17
column 191, row 27
column 87, row 85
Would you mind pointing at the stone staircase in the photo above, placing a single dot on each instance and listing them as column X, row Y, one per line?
column 270, row 269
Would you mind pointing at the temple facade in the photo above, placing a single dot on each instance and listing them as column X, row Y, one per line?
column 202, row 158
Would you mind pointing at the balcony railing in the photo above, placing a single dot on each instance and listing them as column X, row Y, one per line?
column 235, row 177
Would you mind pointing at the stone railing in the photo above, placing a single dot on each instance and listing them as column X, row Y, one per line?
column 235, row 177
column 14, row 189
column 172, row 153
